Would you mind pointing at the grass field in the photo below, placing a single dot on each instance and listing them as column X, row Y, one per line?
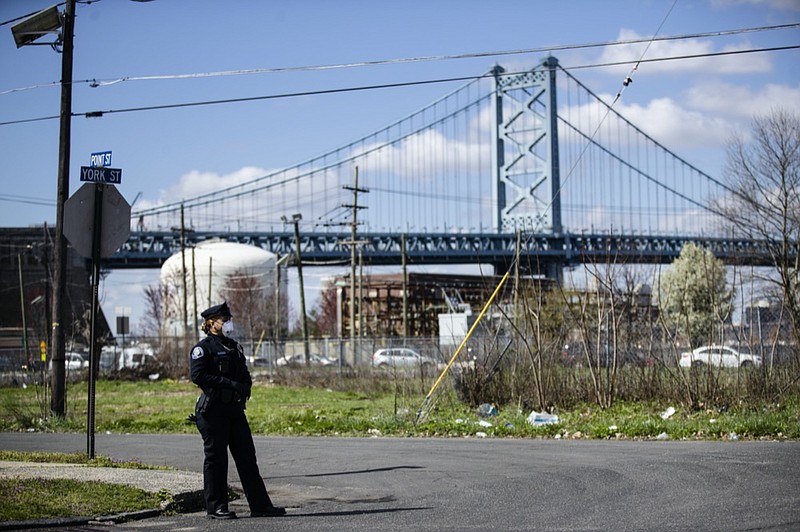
column 389, row 410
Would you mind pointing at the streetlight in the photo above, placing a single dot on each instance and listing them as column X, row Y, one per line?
column 295, row 220
column 38, row 25
column 25, row 32
column 277, row 279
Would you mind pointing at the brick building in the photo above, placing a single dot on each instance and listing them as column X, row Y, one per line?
column 26, row 255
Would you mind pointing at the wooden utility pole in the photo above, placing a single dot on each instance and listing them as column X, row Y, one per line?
column 194, row 299
column 296, row 220
column 405, row 286
column 183, row 276
column 353, row 243
column 210, row 273
column 59, row 322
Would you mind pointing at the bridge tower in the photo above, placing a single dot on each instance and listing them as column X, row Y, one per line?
column 525, row 151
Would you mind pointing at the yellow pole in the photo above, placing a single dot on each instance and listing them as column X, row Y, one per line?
column 258, row 346
column 463, row 343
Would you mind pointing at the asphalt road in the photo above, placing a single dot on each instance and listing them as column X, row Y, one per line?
column 484, row 484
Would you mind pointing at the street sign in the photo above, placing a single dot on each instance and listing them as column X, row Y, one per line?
column 79, row 220
column 91, row 174
column 100, row 159
column 123, row 325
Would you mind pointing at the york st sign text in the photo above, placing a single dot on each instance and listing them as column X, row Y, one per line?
column 92, row 174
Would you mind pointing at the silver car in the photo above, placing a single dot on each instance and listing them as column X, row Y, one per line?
column 299, row 360
column 720, row 356
column 400, row 357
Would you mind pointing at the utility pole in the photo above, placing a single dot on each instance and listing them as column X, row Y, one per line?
column 183, row 277
column 277, row 331
column 296, row 220
column 194, row 299
column 405, row 287
column 353, row 243
column 48, row 21
column 58, row 341
column 361, row 293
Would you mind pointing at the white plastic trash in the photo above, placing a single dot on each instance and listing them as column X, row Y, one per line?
column 542, row 418
column 487, row 410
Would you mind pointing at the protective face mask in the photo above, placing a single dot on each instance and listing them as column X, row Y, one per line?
column 227, row 329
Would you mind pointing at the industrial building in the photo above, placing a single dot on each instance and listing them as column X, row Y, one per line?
column 381, row 309
column 25, row 290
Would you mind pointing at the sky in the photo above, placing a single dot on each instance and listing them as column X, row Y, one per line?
column 132, row 54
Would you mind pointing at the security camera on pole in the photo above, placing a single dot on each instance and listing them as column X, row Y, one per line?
column 97, row 220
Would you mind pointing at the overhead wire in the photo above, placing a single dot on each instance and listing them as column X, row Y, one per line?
column 474, row 55
column 21, row 17
column 98, row 114
column 31, row 200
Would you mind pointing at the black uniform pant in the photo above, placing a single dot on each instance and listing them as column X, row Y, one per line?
column 223, row 426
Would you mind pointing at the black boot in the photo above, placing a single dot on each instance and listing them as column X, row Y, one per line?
column 221, row 513
column 272, row 511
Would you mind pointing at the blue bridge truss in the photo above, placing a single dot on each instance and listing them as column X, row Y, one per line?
column 538, row 252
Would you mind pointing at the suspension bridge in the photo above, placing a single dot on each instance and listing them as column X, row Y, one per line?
column 534, row 153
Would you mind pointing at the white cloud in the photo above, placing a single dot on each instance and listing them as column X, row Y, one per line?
column 739, row 101
column 421, row 155
column 728, row 64
column 195, row 183
column 664, row 119
column 671, row 124
column 787, row 5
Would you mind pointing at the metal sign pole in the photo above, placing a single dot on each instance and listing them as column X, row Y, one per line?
column 93, row 353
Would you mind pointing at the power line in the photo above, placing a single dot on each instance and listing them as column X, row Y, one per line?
column 98, row 114
column 27, row 199
column 26, row 16
column 474, row 55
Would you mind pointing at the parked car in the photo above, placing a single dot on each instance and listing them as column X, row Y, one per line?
column 134, row 356
column 299, row 360
column 718, row 355
column 75, row 361
column 400, row 357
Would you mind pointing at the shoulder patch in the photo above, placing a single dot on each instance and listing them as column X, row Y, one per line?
column 197, row 352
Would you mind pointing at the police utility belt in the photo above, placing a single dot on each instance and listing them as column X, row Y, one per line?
column 221, row 395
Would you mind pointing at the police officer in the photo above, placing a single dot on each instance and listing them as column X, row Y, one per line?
column 218, row 367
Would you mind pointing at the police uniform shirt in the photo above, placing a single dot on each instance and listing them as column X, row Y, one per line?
column 216, row 362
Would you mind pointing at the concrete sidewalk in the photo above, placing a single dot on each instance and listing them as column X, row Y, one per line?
column 186, row 488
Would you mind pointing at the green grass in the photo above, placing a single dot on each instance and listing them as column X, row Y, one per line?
column 389, row 410
column 38, row 498
column 74, row 458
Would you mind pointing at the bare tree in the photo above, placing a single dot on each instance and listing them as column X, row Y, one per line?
column 252, row 304
column 154, row 315
column 763, row 172
column 326, row 315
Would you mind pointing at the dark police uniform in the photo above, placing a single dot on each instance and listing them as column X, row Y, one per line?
column 218, row 367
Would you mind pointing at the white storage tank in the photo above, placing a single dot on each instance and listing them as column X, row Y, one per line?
column 221, row 267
